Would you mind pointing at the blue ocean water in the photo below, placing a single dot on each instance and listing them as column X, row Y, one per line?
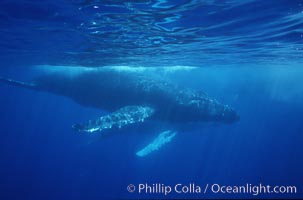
column 247, row 54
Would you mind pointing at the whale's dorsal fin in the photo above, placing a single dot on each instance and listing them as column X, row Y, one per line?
column 118, row 119
column 17, row 83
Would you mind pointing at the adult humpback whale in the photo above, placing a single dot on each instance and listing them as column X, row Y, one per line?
column 130, row 97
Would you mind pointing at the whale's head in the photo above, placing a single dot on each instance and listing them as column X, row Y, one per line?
column 211, row 110
column 222, row 113
column 229, row 115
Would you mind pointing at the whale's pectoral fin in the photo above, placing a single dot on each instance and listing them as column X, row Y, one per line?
column 118, row 119
column 162, row 139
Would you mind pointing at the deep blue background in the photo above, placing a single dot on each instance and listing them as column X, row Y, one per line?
column 249, row 55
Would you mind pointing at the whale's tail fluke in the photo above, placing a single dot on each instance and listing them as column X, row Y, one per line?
column 17, row 83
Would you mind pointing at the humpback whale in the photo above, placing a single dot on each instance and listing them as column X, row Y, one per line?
column 129, row 97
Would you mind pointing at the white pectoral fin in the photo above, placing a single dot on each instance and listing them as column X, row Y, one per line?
column 162, row 139
column 118, row 119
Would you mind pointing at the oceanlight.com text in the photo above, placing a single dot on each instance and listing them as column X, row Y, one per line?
column 252, row 189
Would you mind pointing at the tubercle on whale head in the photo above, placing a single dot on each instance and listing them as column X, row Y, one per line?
column 212, row 110
column 207, row 109
column 229, row 115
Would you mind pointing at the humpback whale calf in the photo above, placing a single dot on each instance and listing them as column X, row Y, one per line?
column 130, row 97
